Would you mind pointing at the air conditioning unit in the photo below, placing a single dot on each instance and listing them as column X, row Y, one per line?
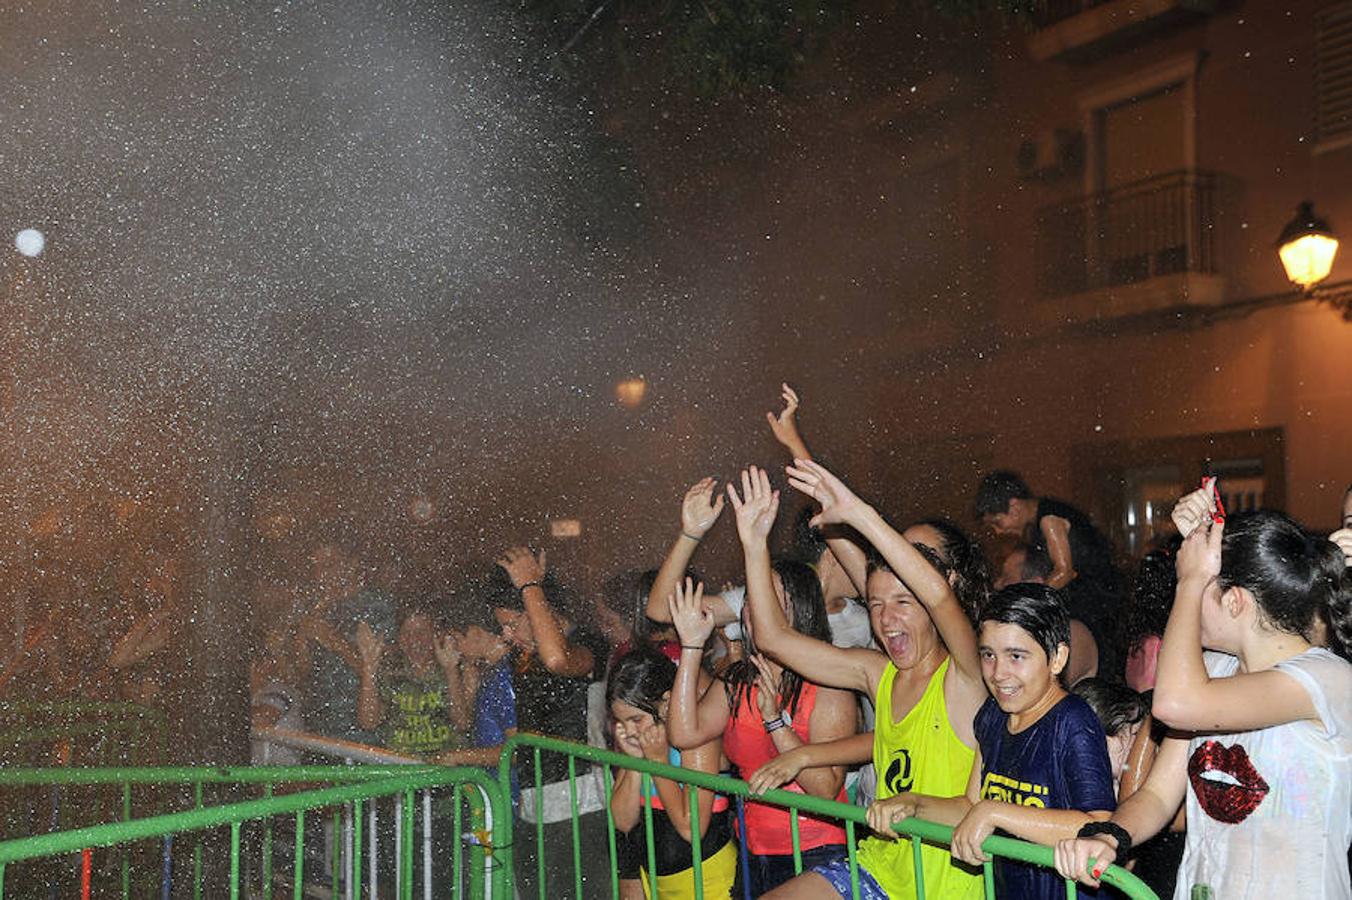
column 1053, row 153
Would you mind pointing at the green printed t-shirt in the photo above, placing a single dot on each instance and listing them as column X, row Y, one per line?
column 416, row 719
column 921, row 753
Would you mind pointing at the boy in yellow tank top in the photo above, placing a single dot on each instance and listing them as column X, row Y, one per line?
column 927, row 684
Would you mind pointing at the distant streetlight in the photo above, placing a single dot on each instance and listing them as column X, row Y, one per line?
column 1307, row 247
column 630, row 392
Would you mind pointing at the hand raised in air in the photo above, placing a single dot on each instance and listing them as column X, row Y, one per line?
column 757, row 506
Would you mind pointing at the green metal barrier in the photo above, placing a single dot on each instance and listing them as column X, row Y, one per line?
column 852, row 818
column 356, row 786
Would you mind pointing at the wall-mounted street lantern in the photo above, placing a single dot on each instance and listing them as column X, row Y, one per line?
column 1307, row 247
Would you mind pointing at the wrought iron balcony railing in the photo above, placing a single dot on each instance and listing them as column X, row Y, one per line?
column 1164, row 225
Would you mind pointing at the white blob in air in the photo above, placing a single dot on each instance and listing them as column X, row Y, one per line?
column 30, row 242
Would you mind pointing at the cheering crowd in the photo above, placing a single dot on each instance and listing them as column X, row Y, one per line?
column 1192, row 721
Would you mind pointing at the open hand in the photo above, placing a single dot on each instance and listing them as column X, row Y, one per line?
column 1084, row 859
column 838, row 502
column 701, row 508
column 778, row 771
column 694, row 623
column 756, row 507
column 785, row 425
column 370, row 648
column 522, row 566
column 883, row 814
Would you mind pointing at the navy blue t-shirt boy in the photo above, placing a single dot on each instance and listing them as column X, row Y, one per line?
column 1059, row 762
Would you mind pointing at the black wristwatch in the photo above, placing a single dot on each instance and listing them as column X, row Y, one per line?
column 1113, row 830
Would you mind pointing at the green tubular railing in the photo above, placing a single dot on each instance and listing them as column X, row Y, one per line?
column 918, row 831
column 359, row 785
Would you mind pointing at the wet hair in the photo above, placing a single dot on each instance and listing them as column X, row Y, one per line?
column 640, row 678
column 997, row 489
column 808, row 543
column 642, row 626
column 1117, row 706
column 1036, row 608
column 1152, row 597
column 964, row 564
column 1294, row 575
column 807, row 609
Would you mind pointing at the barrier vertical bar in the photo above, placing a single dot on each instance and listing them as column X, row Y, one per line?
column 988, row 878
column 457, row 850
column 345, row 864
column 374, row 850
column 398, row 841
column 854, row 859
column 337, row 849
column 646, row 785
column 539, row 827
column 696, row 850
column 86, row 872
column 126, row 858
column 427, row 844
column 299, row 888
column 267, row 848
column 197, row 847
column 167, row 867
column 797, row 841
column 607, row 785
column 354, row 877
column 577, row 825
column 1071, row 891
column 917, row 860
column 406, row 885
column 234, row 860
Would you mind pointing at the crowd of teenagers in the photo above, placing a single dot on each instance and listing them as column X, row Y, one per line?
column 1191, row 719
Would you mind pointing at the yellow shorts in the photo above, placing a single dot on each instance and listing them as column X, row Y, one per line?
column 719, row 871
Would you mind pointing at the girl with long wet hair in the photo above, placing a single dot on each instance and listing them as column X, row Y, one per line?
column 1264, row 769
column 763, row 709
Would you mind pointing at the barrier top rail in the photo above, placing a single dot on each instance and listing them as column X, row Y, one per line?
column 106, row 835
column 205, row 774
column 995, row 846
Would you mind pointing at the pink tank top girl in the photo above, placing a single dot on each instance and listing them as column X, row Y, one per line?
column 748, row 746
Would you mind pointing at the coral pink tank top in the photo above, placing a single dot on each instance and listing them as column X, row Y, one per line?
column 748, row 746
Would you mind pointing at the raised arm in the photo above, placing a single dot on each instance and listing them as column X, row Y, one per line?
column 695, row 716
column 854, row 669
column 700, row 510
column 1186, row 696
column 370, row 649
column 557, row 653
column 785, row 425
column 841, row 506
column 459, row 700
column 848, row 554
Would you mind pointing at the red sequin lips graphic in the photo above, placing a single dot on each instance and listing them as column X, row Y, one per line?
column 1227, row 785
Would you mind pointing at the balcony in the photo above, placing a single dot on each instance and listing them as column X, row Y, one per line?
column 1140, row 248
column 1076, row 30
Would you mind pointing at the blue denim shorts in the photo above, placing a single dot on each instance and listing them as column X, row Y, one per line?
column 837, row 873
